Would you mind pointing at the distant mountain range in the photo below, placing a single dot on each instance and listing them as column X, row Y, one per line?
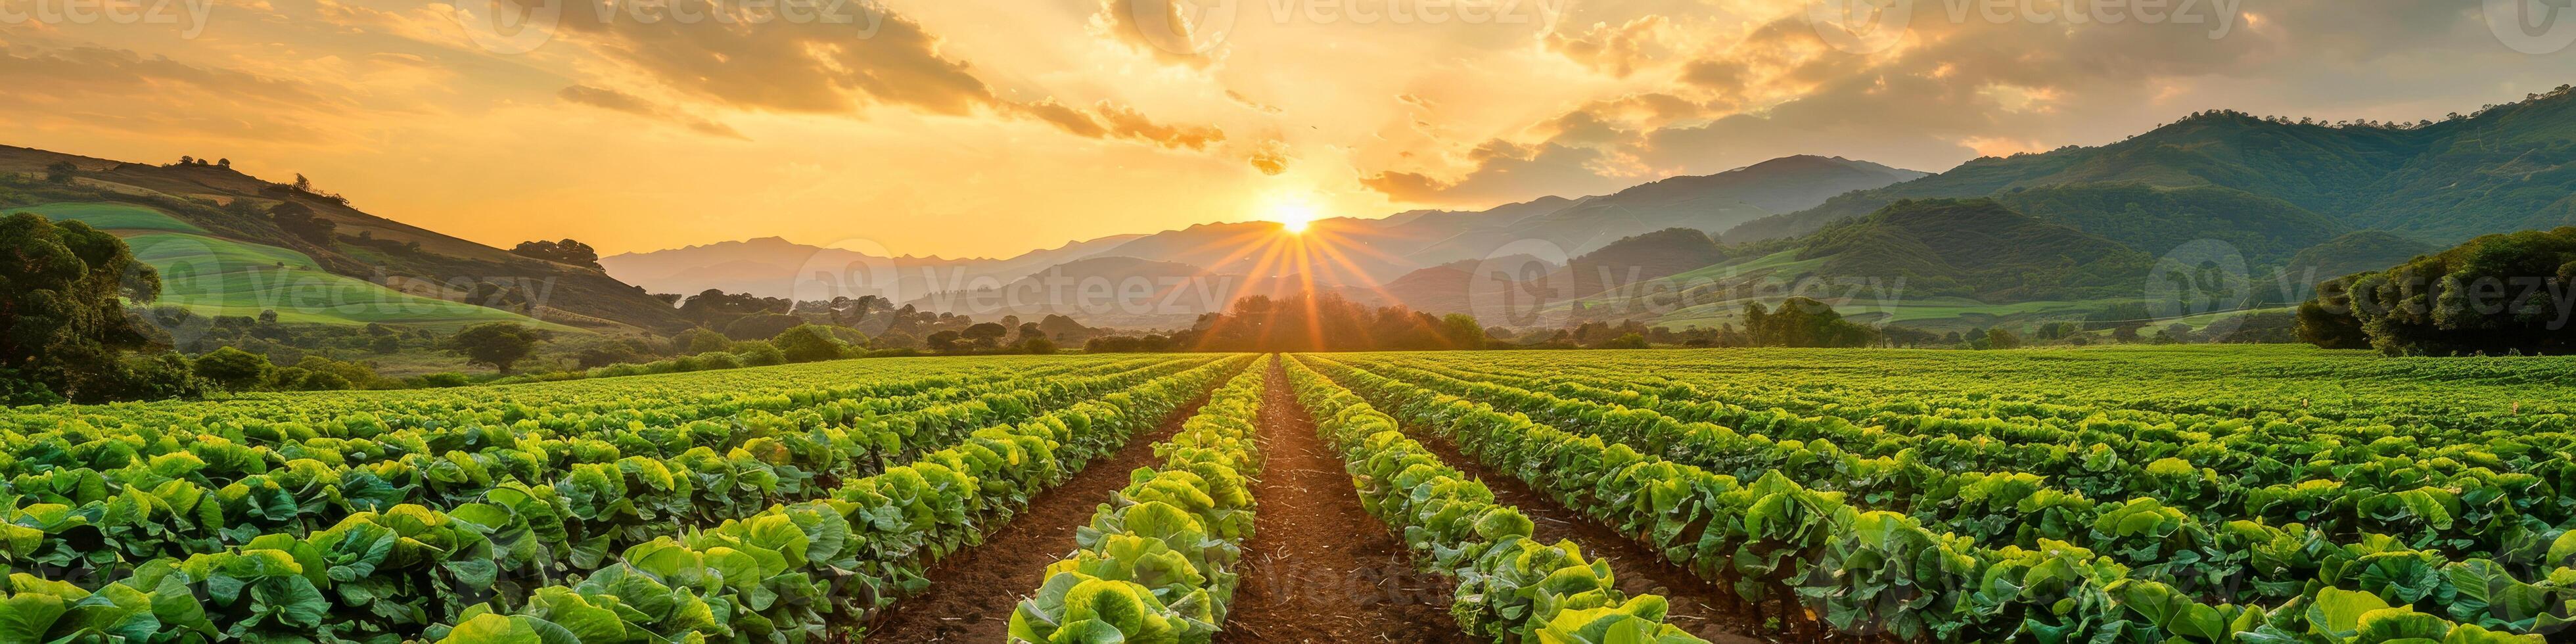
column 1373, row 260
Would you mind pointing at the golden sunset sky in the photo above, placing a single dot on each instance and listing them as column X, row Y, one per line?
column 980, row 127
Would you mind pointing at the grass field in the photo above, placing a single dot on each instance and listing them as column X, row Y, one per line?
column 216, row 276
column 112, row 216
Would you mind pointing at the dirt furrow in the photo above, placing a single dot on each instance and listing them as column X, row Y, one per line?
column 972, row 592
column 1318, row 568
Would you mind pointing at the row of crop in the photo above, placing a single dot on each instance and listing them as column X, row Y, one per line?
column 1511, row 587
column 219, row 452
column 575, row 493
column 1866, row 571
column 1157, row 562
column 2512, row 517
column 2226, row 559
column 611, row 402
column 782, row 574
column 2090, row 451
column 2236, row 382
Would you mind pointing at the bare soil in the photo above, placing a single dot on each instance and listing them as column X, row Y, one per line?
column 1318, row 568
column 973, row 592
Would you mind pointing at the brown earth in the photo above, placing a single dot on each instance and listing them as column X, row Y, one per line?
column 1318, row 568
column 973, row 592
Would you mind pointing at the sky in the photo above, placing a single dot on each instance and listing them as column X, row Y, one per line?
column 989, row 128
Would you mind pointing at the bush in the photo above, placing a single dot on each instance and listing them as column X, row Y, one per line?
column 1629, row 341
column 17, row 391
column 699, row 340
column 719, row 360
column 759, row 354
column 232, row 369
column 448, row 379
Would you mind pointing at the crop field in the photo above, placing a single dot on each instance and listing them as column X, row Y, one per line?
column 2191, row 495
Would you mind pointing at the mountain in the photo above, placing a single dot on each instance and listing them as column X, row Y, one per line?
column 2505, row 168
column 2264, row 230
column 1977, row 248
column 1636, row 259
column 2368, row 250
column 212, row 233
column 775, row 267
column 1712, row 203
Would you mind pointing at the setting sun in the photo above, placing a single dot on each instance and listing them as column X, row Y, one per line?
column 1293, row 214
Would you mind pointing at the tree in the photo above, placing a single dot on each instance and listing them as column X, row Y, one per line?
column 985, row 335
column 562, row 252
column 1628, row 341
column 61, row 172
column 944, row 340
column 1462, row 331
column 62, row 319
column 302, row 184
column 300, row 220
column 1804, row 322
column 2003, row 339
column 810, row 343
column 232, row 369
column 698, row 340
column 499, row 344
column 761, row 326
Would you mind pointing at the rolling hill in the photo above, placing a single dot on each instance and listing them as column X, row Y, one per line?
column 2502, row 169
column 207, row 228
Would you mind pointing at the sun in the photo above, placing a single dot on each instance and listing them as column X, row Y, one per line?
column 1293, row 214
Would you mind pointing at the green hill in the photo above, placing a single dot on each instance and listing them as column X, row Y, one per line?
column 2265, row 230
column 216, row 226
column 1977, row 248
column 2503, row 169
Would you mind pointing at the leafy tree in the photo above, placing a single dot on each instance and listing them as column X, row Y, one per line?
column 61, row 172
column 1803, row 322
column 2321, row 326
column 300, row 220
column 566, row 251
column 1462, row 331
column 1628, row 341
column 810, row 343
column 761, row 326
column 985, row 335
column 499, row 344
column 62, row 321
column 698, row 340
column 232, row 369
column 2003, row 339
column 944, row 340
column 2495, row 294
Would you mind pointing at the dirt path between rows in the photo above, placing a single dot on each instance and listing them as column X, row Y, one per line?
column 1698, row 606
column 973, row 592
column 1318, row 568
